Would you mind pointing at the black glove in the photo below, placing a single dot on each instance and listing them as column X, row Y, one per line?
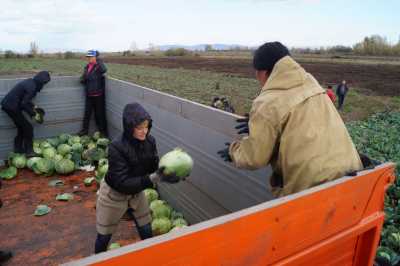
column 170, row 178
column 243, row 125
column 225, row 153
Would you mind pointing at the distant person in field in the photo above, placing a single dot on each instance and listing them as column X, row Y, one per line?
column 19, row 100
column 341, row 92
column 94, row 82
column 331, row 94
column 291, row 126
column 222, row 103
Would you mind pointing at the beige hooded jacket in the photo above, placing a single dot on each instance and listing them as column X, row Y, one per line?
column 295, row 127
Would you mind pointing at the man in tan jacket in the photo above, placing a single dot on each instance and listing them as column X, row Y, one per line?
column 293, row 126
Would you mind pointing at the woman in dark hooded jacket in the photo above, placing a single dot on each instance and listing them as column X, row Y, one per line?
column 20, row 99
column 133, row 167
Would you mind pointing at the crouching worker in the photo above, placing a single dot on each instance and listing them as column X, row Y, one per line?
column 133, row 167
column 20, row 99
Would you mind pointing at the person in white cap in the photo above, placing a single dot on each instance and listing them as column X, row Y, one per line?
column 94, row 81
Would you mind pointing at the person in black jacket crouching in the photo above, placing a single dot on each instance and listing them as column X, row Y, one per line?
column 19, row 99
column 133, row 166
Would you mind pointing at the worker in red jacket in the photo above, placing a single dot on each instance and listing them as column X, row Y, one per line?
column 331, row 94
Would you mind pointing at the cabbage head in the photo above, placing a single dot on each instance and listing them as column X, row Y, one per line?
column 177, row 162
column 96, row 135
column 101, row 172
column 58, row 157
column 156, row 203
column 63, row 138
column 74, row 139
column 43, row 166
column 94, row 154
column 151, row 194
column 31, row 161
column 64, row 149
column 161, row 226
column 64, row 166
column 179, row 221
column 161, row 211
column 49, row 153
column 176, row 215
column 77, row 147
column 53, row 142
column 91, row 145
column 19, row 161
column 44, row 145
column 85, row 140
column 103, row 142
column 103, row 161
column 8, row 173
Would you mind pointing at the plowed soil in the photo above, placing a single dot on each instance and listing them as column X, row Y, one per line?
column 376, row 79
column 67, row 233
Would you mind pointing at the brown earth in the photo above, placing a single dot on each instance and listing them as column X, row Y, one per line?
column 376, row 79
column 67, row 233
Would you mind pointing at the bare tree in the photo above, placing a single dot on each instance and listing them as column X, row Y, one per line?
column 34, row 49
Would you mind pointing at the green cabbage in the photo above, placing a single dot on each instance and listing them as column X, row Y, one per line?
column 43, row 166
column 8, row 173
column 53, row 142
column 77, row 147
column 49, row 153
column 178, row 162
column 31, row 161
column 161, row 226
column 63, row 138
column 44, row 145
column 96, row 135
column 103, row 142
column 179, row 221
column 64, row 166
column 74, row 139
column 64, row 149
column 101, row 172
column 19, row 161
column 161, row 211
column 151, row 194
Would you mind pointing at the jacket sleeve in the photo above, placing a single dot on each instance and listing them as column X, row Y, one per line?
column 102, row 66
column 26, row 103
column 119, row 173
column 256, row 150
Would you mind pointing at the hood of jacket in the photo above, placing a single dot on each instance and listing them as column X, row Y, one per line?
column 133, row 115
column 41, row 79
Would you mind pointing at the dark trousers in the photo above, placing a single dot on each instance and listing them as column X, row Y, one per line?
column 102, row 241
column 341, row 101
column 98, row 104
column 23, row 140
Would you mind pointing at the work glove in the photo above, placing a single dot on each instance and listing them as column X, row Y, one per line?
column 225, row 153
column 243, row 125
column 159, row 175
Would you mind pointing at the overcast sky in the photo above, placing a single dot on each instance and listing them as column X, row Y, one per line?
column 115, row 25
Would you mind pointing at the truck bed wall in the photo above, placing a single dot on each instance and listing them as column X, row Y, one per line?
column 214, row 188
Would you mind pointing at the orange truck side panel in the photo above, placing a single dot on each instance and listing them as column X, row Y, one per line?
column 336, row 225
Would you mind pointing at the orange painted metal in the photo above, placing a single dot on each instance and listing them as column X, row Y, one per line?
column 337, row 225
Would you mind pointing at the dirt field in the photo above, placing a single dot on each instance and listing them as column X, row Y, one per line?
column 67, row 233
column 381, row 80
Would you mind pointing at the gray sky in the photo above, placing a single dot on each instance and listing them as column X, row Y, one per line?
column 58, row 25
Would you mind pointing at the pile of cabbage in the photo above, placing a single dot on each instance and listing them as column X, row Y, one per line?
column 165, row 218
column 62, row 155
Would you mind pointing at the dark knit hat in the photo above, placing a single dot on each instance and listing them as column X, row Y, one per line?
column 266, row 56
